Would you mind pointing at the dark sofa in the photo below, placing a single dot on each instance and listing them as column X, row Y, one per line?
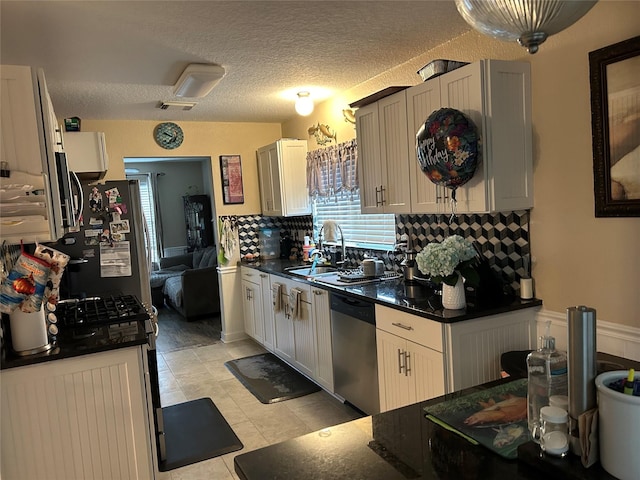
column 188, row 283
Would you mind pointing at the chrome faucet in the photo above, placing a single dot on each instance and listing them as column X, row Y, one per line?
column 328, row 224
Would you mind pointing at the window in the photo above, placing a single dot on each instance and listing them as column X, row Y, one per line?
column 332, row 180
column 374, row 231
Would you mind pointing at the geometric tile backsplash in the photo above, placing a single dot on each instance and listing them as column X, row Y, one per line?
column 502, row 238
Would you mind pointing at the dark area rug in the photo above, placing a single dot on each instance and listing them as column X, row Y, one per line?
column 176, row 333
column 196, row 431
column 270, row 379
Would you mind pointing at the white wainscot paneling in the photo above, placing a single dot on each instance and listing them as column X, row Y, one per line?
column 612, row 338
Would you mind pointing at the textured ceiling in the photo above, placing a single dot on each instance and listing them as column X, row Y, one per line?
column 119, row 59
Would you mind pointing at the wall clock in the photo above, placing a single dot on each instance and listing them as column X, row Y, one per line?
column 168, row 135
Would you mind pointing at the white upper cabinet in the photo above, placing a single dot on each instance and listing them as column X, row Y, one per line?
column 282, row 168
column 30, row 143
column 495, row 94
column 383, row 155
column 426, row 196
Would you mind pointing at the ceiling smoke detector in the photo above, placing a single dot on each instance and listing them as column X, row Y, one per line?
column 176, row 105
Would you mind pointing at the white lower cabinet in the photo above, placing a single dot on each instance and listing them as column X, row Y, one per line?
column 295, row 331
column 267, row 312
column 252, row 304
column 473, row 347
column 303, row 340
column 82, row 417
column 420, row 358
column 322, row 316
column 410, row 358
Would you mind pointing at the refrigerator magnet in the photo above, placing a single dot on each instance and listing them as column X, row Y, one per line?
column 120, row 227
column 95, row 200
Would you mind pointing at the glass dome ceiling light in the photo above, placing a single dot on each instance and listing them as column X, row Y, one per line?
column 529, row 22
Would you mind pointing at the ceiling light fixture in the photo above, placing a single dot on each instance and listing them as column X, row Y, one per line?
column 198, row 80
column 529, row 22
column 304, row 104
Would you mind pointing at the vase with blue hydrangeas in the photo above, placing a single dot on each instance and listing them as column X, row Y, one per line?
column 451, row 262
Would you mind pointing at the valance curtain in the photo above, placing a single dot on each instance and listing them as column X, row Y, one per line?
column 332, row 172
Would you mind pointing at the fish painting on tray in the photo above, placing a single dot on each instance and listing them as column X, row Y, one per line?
column 496, row 417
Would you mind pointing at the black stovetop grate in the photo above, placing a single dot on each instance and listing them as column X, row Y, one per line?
column 100, row 310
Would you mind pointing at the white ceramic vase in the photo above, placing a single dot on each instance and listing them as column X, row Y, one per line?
column 453, row 297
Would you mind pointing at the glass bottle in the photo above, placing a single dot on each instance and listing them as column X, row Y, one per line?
column 547, row 376
column 554, row 431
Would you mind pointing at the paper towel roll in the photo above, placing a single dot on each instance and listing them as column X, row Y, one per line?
column 29, row 332
column 526, row 288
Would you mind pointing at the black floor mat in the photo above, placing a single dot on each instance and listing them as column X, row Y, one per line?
column 196, row 431
column 270, row 379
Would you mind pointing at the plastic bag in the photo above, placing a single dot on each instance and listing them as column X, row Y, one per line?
column 24, row 286
column 57, row 263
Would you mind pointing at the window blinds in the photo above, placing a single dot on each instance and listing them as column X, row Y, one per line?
column 333, row 182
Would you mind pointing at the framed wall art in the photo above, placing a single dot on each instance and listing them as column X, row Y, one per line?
column 231, row 170
column 615, row 122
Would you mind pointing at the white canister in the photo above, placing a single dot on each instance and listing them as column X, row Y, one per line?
column 29, row 332
column 618, row 423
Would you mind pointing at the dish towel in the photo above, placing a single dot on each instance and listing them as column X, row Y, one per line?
column 276, row 292
column 294, row 302
column 228, row 239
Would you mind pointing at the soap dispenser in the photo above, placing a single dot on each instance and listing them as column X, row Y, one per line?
column 547, row 376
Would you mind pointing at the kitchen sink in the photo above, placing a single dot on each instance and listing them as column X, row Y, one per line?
column 306, row 271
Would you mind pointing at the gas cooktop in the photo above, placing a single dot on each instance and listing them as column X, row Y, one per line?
column 100, row 310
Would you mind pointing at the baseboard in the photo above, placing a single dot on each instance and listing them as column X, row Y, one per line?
column 612, row 338
column 229, row 337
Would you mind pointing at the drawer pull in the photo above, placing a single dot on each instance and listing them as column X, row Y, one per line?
column 398, row 324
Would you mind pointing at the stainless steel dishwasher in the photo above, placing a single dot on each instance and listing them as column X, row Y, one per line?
column 355, row 361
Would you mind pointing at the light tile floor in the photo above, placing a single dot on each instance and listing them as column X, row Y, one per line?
column 199, row 372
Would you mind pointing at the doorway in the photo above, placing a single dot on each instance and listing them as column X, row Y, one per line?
column 167, row 180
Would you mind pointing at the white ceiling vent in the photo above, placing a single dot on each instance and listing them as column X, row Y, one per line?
column 176, row 105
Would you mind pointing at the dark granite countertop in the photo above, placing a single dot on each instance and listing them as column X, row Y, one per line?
column 403, row 444
column 94, row 340
column 418, row 298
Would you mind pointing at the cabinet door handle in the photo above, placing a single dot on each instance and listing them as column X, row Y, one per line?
column 318, row 292
column 377, row 197
column 398, row 324
column 400, row 366
column 407, row 367
column 383, row 200
column 263, row 275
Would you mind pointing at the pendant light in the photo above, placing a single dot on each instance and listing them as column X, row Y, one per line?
column 529, row 22
column 304, row 104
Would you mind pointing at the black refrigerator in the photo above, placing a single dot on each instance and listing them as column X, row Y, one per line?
column 108, row 249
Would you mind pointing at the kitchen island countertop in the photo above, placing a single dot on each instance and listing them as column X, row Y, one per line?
column 404, row 444
column 417, row 298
